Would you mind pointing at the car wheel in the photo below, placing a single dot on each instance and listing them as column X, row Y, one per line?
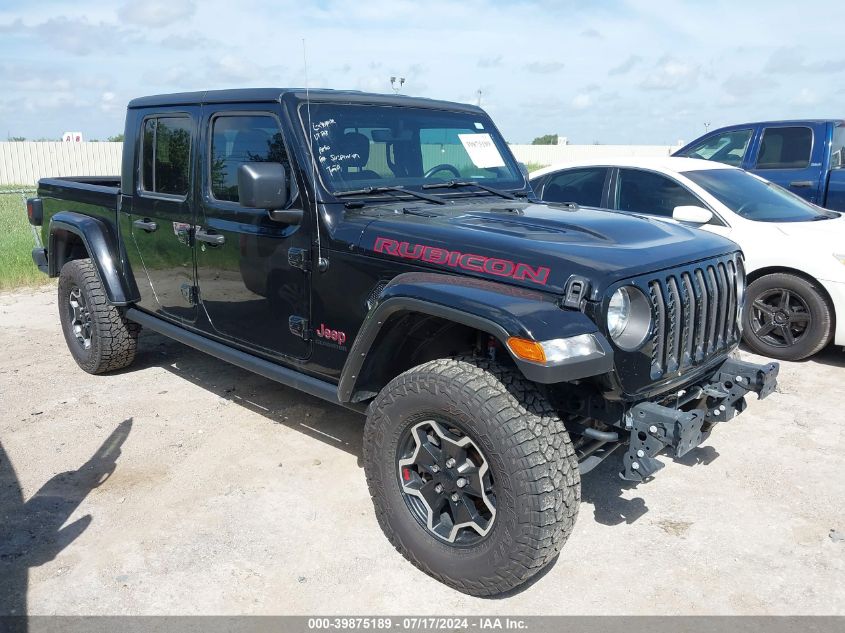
column 786, row 317
column 472, row 473
column 98, row 335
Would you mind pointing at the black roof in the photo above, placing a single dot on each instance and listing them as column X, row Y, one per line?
column 257, row 95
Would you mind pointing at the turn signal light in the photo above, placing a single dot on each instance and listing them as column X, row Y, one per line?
column 555, row 351
column 527, row 350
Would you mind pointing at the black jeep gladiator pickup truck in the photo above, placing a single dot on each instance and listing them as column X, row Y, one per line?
column 387, row 254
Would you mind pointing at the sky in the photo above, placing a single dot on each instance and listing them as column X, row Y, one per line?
column 616, row 71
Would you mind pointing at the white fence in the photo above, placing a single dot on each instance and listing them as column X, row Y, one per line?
column 552, row 154
column 24, row 163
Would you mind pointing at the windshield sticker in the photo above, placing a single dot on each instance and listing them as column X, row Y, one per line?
column 320, row 130
column 479, row 125
column 482, row 151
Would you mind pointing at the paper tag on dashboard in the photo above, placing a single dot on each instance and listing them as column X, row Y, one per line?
column 482, row 150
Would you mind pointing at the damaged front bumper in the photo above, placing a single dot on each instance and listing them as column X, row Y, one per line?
column 653, row 426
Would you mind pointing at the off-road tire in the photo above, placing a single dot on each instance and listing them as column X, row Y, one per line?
column 535, row 470
column 819, row 330
column 113, row 339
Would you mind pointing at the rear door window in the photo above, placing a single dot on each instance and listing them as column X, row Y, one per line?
column 584, row 187
column 727, row 147
column 651, row 193
column 785, row 148
column 166, row 155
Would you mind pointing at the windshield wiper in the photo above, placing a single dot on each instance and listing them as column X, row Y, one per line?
column 452, row 184
column 388, row 189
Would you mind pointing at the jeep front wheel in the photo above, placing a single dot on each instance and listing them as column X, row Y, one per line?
column 100, row 338
column 472, row 473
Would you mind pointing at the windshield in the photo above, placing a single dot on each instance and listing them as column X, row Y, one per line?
column 362, row 146
column 754, row 198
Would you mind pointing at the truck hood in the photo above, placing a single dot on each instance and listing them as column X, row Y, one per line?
column 534, row 245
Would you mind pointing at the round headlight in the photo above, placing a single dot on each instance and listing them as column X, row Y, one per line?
column 629, row 318
column 618, row 312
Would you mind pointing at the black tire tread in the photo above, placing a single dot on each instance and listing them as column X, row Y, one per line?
column 536, row 440
column 116, row 337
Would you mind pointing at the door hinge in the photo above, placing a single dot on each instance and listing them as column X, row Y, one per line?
column 190, row 293
column 299, row 258
column 299, row 327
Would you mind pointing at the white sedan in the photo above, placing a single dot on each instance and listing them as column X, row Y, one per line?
column 794, row 251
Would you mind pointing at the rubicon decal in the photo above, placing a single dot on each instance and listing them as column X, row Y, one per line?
column 465, row 261
column 331, row 335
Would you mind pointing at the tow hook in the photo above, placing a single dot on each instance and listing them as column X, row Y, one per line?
column 653, row 427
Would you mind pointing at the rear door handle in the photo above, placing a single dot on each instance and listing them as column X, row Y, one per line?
column 145, row 224
column 801, row 183
column 209, row 238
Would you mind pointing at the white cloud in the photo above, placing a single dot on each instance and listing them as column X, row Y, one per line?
column 671, row 74
column 792, row 61
column 544, row 68
column 747, row 85
column 156, row 13
column 806, row 97
column 625, row 67
column 538, row 63
column 490, row 62
column 582, row 101
column 72, row 35
column 181, row 42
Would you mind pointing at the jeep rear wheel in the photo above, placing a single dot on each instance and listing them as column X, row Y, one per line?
column 100, row 338
column 786, row 317
column 472, row 473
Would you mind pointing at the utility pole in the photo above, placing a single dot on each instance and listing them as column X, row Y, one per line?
column 394, row 81
column 478, row 93
column 706, row 127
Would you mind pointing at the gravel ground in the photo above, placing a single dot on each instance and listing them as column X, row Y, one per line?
column 187, row 486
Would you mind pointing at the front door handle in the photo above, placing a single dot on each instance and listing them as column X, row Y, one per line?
column 209, row 238
column 146, row 224
column 801, row 183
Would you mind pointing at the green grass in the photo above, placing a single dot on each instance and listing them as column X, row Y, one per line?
column 16, row 243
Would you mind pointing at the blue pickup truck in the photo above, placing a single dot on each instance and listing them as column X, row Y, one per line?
column 807, row 156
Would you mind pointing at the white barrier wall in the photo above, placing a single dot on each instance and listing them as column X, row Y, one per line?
column 25, row 162
column 553, row 154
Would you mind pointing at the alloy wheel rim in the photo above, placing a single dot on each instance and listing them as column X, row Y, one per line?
column 780, row 317
column 80, row 317
column 446, row 482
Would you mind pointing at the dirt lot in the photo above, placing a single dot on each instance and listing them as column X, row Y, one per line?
column 185, row 485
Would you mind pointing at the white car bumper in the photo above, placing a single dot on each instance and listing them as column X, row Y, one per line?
column 836, row 290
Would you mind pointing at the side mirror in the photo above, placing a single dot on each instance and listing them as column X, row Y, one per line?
column 265, row 186
column 689, row 214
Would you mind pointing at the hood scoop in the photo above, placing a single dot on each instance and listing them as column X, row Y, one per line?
column 525, row 228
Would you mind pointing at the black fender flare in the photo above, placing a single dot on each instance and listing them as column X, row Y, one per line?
column 498, row 309
column 102, row 248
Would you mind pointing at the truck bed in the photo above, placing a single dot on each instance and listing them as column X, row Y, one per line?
column 95, row 196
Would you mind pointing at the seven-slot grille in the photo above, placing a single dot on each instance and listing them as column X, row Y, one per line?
column 695, row 314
